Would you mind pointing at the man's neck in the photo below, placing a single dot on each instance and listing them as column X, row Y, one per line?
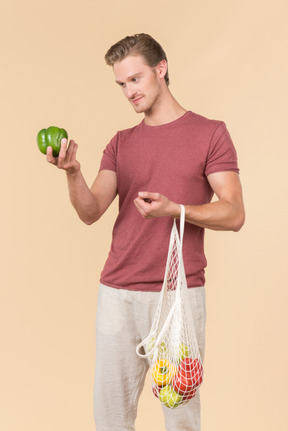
column 165, row 111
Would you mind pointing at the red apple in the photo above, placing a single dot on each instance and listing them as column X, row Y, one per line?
column 192, row 369
column 183, row 384
column 188, row 378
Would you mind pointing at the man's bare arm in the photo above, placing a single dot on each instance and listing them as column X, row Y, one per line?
column 90, row 203
column 227, row 213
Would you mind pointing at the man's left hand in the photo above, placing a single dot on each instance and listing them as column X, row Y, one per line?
column 151, row 205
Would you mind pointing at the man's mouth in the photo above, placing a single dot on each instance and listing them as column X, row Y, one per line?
column 136, row 99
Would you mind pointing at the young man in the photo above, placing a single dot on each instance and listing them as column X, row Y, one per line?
column 172, row 157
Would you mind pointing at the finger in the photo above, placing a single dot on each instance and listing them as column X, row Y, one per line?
column 75, row 149
column 148, row 196
column 62, row 156
column 49, row 156
column 71, row 152
column 63, row 149
column 71, row 146
column 138, row 205
column 143, row 207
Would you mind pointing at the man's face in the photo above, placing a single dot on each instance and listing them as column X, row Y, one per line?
column 140, row 83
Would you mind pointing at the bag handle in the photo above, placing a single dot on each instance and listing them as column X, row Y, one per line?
column 160, row 337
column 164, row 329
column 182, row 224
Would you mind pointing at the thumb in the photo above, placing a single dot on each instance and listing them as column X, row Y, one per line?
column 148, row 195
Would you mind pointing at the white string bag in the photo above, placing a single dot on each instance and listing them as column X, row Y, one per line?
column 171, row 346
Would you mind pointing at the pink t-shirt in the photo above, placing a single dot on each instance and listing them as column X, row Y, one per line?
column 173, row 159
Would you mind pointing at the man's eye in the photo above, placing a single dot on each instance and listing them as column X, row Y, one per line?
column 134, row 79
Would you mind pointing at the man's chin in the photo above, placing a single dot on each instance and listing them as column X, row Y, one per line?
column 138, row 109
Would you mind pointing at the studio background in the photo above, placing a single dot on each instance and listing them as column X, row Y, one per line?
column 227, row 61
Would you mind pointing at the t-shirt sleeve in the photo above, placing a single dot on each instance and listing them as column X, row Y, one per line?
column 109, row 157
column 222, row 155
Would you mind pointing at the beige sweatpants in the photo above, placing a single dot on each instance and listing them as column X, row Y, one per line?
column 123, row 320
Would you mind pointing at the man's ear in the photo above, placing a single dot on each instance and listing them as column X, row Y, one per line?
column 161, row 69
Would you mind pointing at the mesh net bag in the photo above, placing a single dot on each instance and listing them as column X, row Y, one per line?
column 171, row 347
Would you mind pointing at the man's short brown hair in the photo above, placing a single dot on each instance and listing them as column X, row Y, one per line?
column 139, row 44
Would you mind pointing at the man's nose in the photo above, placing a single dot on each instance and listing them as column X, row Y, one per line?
column 130, row 91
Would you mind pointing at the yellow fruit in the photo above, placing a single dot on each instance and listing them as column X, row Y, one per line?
column 163, row 372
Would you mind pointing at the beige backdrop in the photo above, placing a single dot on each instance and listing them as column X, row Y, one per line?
column 228, row 60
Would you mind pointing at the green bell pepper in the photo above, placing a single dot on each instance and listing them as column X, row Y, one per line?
column 51, row 137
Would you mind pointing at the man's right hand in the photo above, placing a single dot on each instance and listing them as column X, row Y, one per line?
column 67, row 157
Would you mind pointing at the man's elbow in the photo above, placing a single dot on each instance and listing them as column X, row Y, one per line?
column 238, row 221
column 88, row 218
column 88, row 222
